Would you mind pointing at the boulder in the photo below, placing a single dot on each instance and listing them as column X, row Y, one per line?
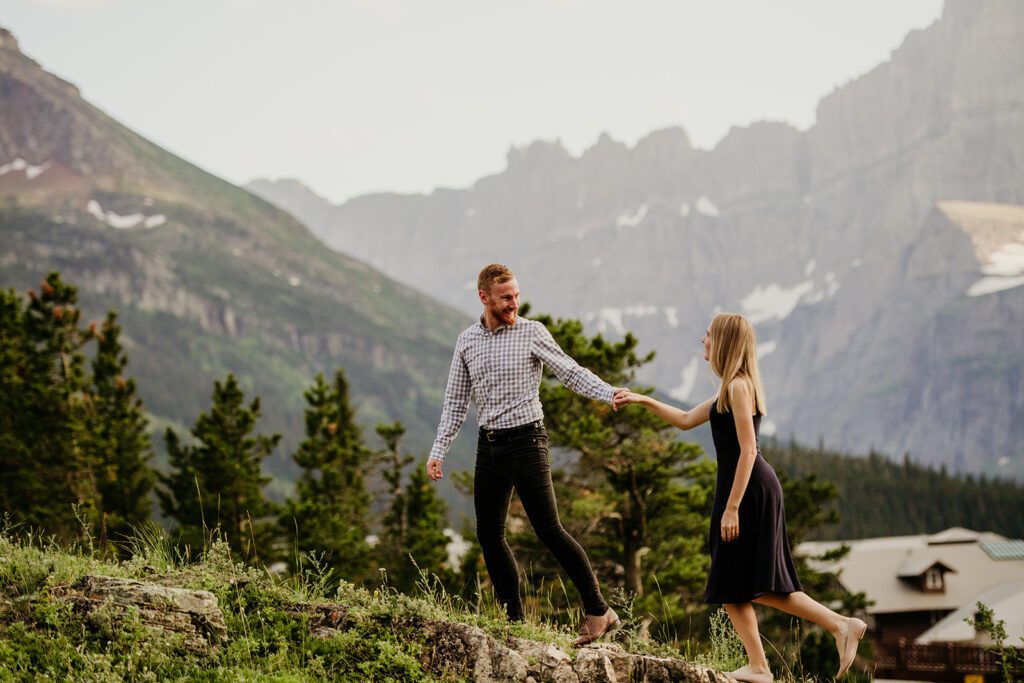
column 193, row 613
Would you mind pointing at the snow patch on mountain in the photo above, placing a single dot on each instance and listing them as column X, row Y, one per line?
column 688, row 380
column 774, row 301
column 612, row 318
column 124, row 222
column 31, row 172
column 706, row 206
column 1004, row 270
column 765, row 348
column 630, row 220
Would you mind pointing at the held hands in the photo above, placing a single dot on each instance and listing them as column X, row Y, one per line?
column 434, row 470
column 624, row 397
column 617, row 398
column 730, row 524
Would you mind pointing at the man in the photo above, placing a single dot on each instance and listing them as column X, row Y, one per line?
column 498, row 361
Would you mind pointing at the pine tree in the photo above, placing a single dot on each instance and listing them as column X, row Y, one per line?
column 217, row 482
column 636, row 497
column 412, row 538
column 119, row 445
column 330, row 514
column 425, row 541
column 396, row 521
column 47, row 482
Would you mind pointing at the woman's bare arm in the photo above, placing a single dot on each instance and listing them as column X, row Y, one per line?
column 682, row 419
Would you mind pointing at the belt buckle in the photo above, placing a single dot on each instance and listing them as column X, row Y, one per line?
column 489, row 433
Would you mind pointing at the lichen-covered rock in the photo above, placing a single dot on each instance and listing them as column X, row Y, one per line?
column 611, row 663
column 193, row 613
column 594, row 664
column 471, row 651
column 545, row 662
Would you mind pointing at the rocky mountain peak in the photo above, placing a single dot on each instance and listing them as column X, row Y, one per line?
column 291, row 185
column 8, row 41
column 537, row 155
column 862, row 248
column 674, row 138
column 606, row 147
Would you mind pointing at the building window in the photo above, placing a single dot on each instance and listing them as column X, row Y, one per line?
column 933, row 580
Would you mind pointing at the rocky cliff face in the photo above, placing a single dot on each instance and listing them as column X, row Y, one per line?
column 207, row 278
column 854, row 246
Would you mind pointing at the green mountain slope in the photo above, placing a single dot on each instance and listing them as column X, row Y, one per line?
column 207, row 278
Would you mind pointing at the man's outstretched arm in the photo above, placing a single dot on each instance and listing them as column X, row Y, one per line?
column 453, row 414
column 572, row 374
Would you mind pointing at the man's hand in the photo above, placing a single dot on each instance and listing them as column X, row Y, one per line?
column 434, row 469
column 618, row 400
column 628, row 397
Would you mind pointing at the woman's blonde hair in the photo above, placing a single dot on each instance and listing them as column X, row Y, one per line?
column 733, row 354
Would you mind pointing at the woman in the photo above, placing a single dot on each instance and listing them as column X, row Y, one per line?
column 750, row 556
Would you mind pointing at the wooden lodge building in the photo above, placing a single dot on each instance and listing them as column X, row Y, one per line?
column 922, row 588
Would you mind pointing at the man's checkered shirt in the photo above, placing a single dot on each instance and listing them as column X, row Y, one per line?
column 501, row 371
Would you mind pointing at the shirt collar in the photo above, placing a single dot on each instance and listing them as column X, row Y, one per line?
column 501, row 328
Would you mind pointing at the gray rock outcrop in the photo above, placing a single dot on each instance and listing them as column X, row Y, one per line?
column 194, row 614
column 449, row 647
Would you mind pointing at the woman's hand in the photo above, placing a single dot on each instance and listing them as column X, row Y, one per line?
column 730, row 524
column 626, row 397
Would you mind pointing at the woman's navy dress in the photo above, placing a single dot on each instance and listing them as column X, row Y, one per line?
column 759, row 560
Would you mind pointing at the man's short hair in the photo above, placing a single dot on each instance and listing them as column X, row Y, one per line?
column 493, row 274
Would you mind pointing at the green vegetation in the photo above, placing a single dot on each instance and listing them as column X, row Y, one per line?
column 64, row 434
column 635, row 495
column 218, row 482
column 412, row 534
column 77, row 456
column 43, row 638
column 1010, row 658
column 210, row 293
column 878, row 497
column 118, row 444
column 329, row 516
column 726, row 652
column 268, row 631
column 382, row 635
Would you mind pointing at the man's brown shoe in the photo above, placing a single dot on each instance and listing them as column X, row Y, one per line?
column 595, row 627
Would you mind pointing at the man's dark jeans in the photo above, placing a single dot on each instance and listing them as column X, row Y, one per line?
column 520, row 461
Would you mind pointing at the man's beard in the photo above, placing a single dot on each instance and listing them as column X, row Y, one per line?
column 504, row 315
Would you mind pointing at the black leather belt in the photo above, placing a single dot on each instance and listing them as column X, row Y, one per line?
column 500, row 435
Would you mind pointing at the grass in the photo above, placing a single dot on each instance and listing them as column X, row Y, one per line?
column 726, row 651
column 43, row 638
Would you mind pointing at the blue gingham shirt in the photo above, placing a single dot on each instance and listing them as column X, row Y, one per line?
column 501, row 372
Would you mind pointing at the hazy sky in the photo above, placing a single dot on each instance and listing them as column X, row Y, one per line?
column 355, row 96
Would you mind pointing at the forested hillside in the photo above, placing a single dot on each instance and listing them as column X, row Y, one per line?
column 880, row 497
